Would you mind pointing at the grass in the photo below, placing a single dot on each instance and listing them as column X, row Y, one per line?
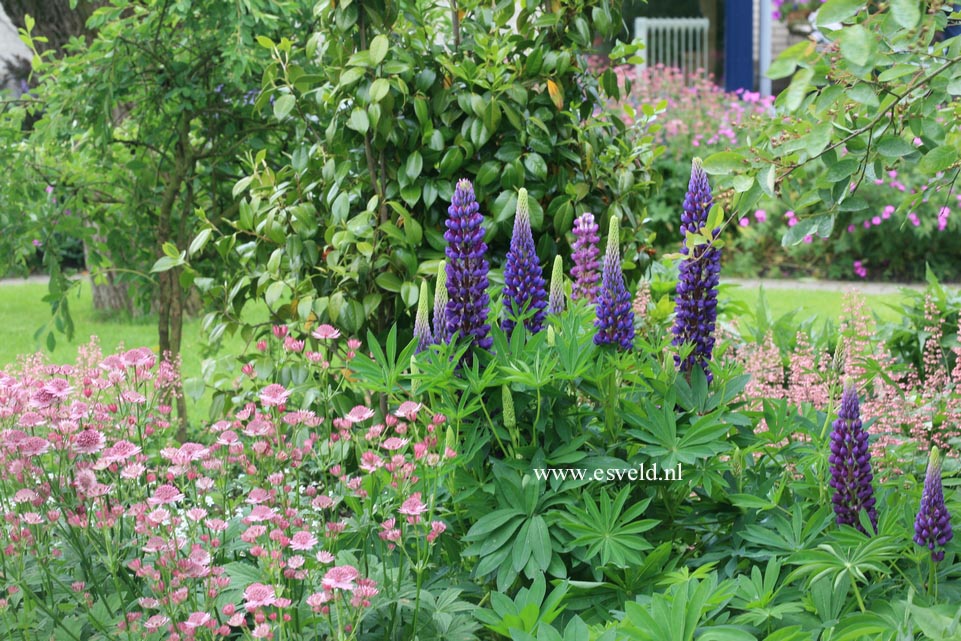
column 22, row 312
column 823, row 304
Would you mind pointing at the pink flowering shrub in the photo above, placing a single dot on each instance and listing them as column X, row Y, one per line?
column 907, row 407
column 899, row 220
column 283, row 520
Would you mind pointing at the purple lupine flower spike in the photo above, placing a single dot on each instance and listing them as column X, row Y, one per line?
column 850, row 460
column 422, row 322
column 555, row 301
column 467, row 306
column 615, row 318
column 524, row 285
column 932, row 527
column 696, row 303
column 440, row 304
column 584, row 253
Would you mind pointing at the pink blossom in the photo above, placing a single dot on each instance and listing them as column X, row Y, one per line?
column 258, row 595
column 744, row 222
column 33, row 446
column 88, row 442
column 156, row 622
column 394, row 443
column 197, row 620
column 164, row 495
column 303, row 541
column 436, row 529
column 340, row 577
column 274, row 395
column 325, row 557
column 325, row 332
column 370, row 462
column 413, row 507
column 760, row 215
column 408, row 410
column 318, row 599
column 359, row 414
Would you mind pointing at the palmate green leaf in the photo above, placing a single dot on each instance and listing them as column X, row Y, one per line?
column 609, row 532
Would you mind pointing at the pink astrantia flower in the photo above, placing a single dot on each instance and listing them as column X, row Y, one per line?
column 88, row 442
column 118, row 453
column 325, row 332
column 408, row 410
column 436, row 529
column 370, row 462
column 359, row 414
column 197, row 620
column 303, row 540
column 274, row 395
column 394, row 443
column 318, row 599
column 413, row 507
column 258, row 595
column 325, row 557
column 340, row 577
column 156, row 622
column 165, row 494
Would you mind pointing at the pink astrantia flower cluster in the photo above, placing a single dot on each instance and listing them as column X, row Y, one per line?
column 264, row 514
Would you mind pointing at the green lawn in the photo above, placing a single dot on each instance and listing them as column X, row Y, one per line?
column 825, row 305
column 22, row 312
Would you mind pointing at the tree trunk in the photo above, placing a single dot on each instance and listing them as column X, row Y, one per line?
column 110, row 295
column 54, row 19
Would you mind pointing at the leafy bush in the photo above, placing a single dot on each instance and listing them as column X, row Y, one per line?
column 901, row 222
column 388, row 113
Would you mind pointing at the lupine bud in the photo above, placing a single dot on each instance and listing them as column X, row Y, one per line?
column 837, row 362
column 507, row 402
column 850, row 460
column 555, row 302
column 421, row 322
column 615, row 319
column 584, row 254
column 696, row 303
column 932, row 527
column 523, row 277
column 440, row 304
column 467, row 307
column 551, row 336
